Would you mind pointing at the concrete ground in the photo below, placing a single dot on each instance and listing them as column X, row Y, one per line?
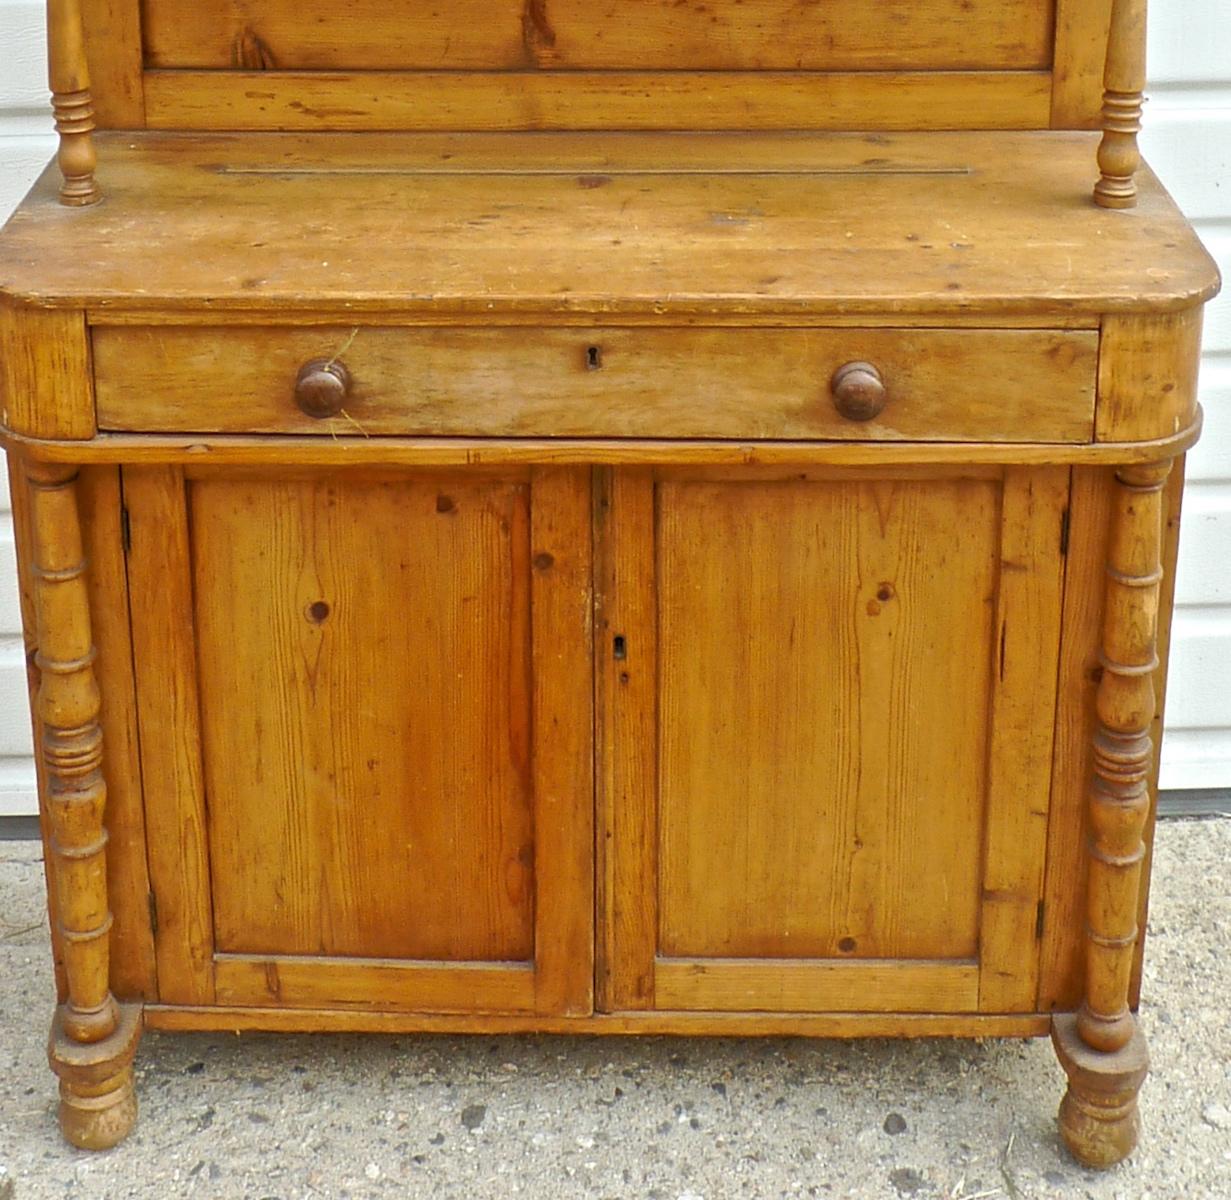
column 337, row 1117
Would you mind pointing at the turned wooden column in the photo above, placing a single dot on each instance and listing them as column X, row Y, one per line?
column 71, row 103
column 1124, row 80
column 93, row 1039
column 1101, row 1047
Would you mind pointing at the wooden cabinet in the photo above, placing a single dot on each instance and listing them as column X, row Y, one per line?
column 540, row 519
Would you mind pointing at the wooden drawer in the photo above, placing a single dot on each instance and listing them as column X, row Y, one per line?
column 939, row 385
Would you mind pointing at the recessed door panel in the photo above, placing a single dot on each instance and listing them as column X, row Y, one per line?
column 365, row 683
column 806, row 761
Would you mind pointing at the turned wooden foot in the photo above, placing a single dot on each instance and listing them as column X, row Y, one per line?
column 98, row 1105
column 1098, row 1118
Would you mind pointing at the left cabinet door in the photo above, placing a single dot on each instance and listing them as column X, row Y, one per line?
column 366, row 737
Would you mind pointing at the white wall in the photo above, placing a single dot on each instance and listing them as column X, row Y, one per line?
column 1188, row 139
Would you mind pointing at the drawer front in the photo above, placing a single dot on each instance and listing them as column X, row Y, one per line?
column 790, row 384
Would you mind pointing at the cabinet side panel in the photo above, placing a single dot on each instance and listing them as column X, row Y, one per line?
column 1148, row 367
column 133, row 973
column 46, row 380
column 1064, row 900
column 1020, row 758
column 168, row 722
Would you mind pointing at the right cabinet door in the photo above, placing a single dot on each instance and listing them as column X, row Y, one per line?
column 826, row 718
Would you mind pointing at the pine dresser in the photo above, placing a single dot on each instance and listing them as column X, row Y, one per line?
column 616, row 517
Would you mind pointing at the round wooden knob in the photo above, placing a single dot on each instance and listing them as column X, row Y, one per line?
column 858, row 391
column 322, row 387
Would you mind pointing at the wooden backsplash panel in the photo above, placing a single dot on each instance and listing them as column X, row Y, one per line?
column 721, row 35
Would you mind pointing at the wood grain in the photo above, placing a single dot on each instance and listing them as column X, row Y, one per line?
column 72, row 105
column 289, row 981
column 45, row 377
column 393, row 744
column 626, row 684
column 617, row 34
column 114, row 52
column 92, row 1038
column 827, row 1025
column 1077, row 69
column 133, row 964
column 1034, row 511
column 580, row 670
column 240, row 450
column 1062, row 952
column 562, row 721
column 67, row 708
column 792, row 986
column 238, row 318
column 1124, row 80
column 800, row 632
column 379, row 635
column 605, row 382
column 165, row 667
column 516, row 100
column 1063, row 948
column 1118, row 792
column 1148, row 375
column 567, row 224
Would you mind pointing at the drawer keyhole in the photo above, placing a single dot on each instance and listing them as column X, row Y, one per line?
column 619, row 649
column 594, row 358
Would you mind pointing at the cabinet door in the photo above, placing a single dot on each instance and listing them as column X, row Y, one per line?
column 827, row 705
column 366, row 735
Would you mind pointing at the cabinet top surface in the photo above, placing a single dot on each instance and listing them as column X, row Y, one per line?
column 645, row 224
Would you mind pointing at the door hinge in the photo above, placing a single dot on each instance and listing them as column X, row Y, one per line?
column 1064, row 533
column 1038, row 922
column 126, row 529
column 153, row 905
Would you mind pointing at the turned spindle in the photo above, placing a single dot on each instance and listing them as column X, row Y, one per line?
column 71, row 103
column 1101, row 1047
column 93, row 1038
column 1124, row 78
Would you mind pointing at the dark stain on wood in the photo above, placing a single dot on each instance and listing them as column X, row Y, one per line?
column 537, row 35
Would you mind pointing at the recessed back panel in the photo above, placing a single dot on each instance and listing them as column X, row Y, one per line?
column 608, row 35
column 610, row 64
